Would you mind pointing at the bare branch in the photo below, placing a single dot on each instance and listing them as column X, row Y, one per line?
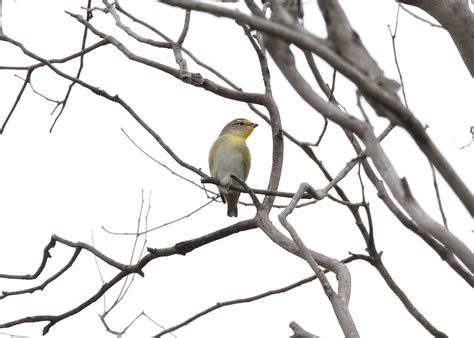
column 213, row 199
column 219, row 305
column 162, row 164
column 406, row 301
column 470, row 142
column 438, row 196
column 393, row 35
column 299, row 332
column 248, row 190
column 185, row 28
column 38, row 93
column 339, row 300
column 432, row 24
column 124, row 330
column 185, row 247
column 79, row 70
column 46, row 256
column 17, row 100
column 97, row 262
column 123, row 291
column 47, row 281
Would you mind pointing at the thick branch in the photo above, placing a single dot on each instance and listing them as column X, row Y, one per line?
column 340, row 299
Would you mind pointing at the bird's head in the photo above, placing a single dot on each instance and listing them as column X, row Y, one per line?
column 239, row 127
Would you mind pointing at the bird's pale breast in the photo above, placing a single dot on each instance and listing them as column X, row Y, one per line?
column 229, row 155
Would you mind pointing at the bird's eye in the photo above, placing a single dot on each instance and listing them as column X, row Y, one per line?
column 241, row 123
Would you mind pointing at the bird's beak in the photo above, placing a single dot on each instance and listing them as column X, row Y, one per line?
column 255, row 125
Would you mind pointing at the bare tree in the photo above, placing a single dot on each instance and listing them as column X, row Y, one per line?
column 274, row 28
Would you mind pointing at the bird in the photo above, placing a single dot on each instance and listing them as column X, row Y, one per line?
column 229, row 155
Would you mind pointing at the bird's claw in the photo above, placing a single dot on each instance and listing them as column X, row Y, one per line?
column 228, row 184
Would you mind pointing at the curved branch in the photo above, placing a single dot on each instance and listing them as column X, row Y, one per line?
column 46, row 256
column 47, row 281
column 340, row 299
column 97, row 253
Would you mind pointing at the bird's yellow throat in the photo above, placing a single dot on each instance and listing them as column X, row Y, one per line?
column 242, row 135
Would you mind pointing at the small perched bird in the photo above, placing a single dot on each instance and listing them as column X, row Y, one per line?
column 230, row 155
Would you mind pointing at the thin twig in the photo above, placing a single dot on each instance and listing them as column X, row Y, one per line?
column 420, row 18
column 433, row 170
column 438, row 196
column 99, row 271
column 124, row 287
column 17, row 100
column 393, row 35
column 219, row 305
column 249, row 190
column 470, row 142
column 38, row 93
column 79, row 70
column 184, row 32
column 164, row 224
column 47, row 281
column 164, row 165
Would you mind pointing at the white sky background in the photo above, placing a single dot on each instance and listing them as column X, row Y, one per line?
column 87, row 174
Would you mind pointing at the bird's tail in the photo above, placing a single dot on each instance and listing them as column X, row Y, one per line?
column 232, row 202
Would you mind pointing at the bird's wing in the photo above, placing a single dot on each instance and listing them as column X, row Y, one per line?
column 246, row 160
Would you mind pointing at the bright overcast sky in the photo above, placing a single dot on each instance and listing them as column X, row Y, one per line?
column 87, row 174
